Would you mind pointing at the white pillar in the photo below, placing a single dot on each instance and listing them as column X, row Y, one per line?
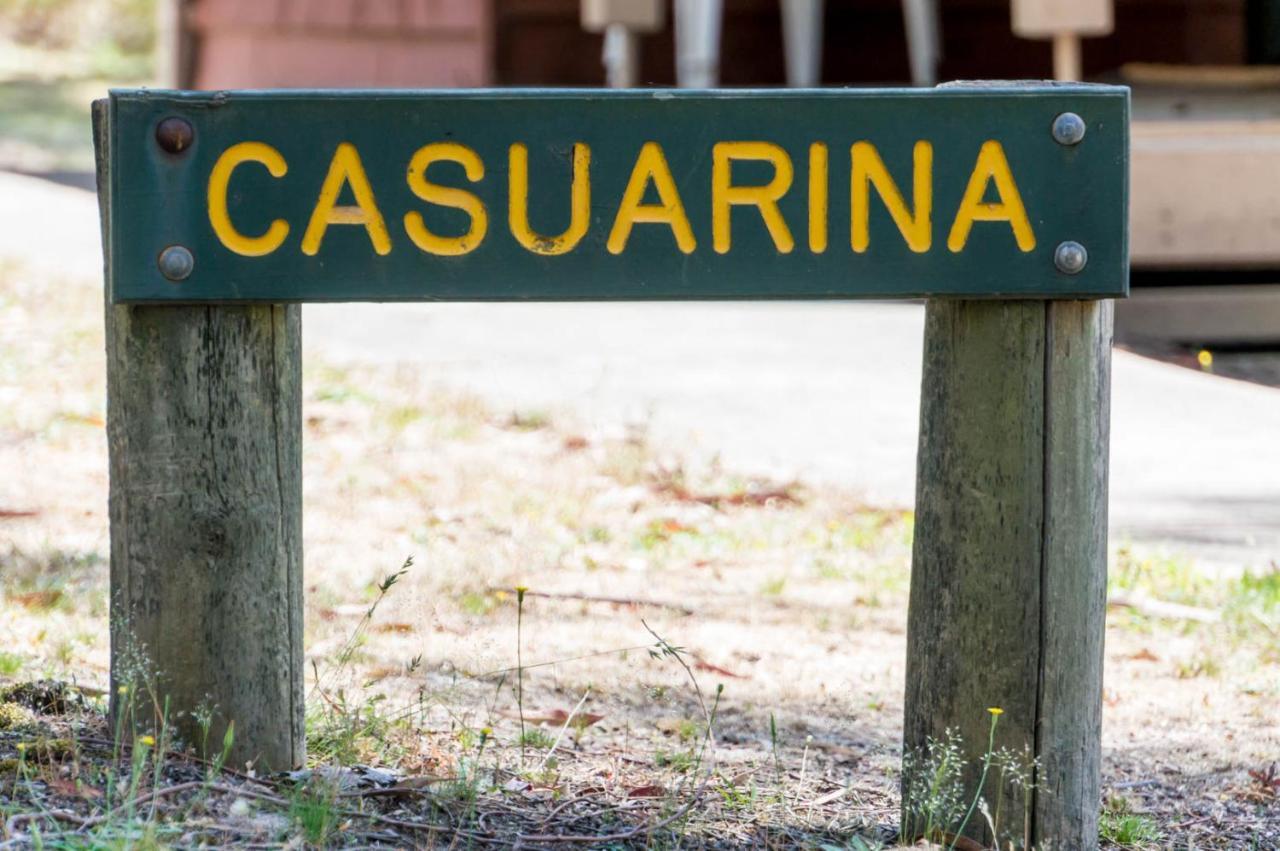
column 621, row 57
column 698, row 43
column 802, row 39
column 622, row 22
column 924, row 46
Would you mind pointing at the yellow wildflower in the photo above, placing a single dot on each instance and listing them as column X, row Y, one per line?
column 995, row 710
column 149, row 741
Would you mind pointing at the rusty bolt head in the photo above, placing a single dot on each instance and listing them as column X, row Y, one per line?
column 174, row 134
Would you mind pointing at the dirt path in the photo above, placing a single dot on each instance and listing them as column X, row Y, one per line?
column 792, row 597
column 826, row 391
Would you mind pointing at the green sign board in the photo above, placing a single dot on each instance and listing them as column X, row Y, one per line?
column 982, row 191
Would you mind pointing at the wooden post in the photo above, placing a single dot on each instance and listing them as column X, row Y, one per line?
column 1067, row 61
column 1008, row 585
column 204, row 433
column 1064, row 22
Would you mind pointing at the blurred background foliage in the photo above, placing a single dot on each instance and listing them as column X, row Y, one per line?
column 105, row 38
column 55, row 57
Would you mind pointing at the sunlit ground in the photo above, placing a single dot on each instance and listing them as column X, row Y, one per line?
column 790, row 596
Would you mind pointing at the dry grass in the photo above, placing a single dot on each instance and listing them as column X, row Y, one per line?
column 791, row 597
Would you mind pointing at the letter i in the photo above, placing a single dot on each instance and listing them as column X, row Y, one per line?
column 818, row 189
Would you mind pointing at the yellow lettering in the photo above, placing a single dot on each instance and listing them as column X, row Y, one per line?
column 651, row 165
column 724, row 195
column 220, row 178
column 869, row 170
column 446, row 196
column 992, row 166
column 346, row 168
column 818, row 171
column 579, row 202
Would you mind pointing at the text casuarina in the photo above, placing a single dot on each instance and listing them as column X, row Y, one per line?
column 915, row 220
column 501, row 195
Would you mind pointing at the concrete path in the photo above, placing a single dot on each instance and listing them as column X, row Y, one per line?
column 831, row 392
column 827, row 391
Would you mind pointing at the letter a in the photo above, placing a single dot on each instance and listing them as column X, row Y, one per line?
column 651, row 165
column 992, row 166
column 346, row 168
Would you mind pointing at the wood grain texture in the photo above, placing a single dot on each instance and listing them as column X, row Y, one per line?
column 1009, row 560
column 1076, row 193
column 1074, row 573
column 204, row 435
column 973, row 625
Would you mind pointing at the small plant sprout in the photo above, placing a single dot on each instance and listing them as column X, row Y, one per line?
column 1122, row 827
column 358, row 634
column 995, row 712
column 664, row 649
column 520, row 592
column 141, row 747
column 314, row 810
column 773, row 741
column 1017, row 771
column 931, row 787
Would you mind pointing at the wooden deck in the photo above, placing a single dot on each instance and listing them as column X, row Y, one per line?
column 1206, row 168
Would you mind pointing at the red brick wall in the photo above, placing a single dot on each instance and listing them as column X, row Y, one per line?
column 341, row 43
column 442, row 43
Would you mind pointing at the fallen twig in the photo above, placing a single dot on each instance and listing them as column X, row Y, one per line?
column 154, row 795
column 1161, row 609
column 126, row 747
column 391, row 791
column 623, row 836
column 596, row 598
column 784, row 494
column 23, row 818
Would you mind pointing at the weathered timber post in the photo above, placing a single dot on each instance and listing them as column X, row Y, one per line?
column 1008, row 581
column 204, row 435
column 210, row 199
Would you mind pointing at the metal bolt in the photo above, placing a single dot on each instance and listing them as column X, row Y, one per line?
column 1068, row 129
column 176, row 262
column 1070, row 258
column 174, row 134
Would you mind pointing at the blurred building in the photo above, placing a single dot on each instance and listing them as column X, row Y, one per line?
column 424, row 43
column 1206, row 138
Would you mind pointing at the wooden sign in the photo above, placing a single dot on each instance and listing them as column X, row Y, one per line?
column 591, row 195
column 963, row 195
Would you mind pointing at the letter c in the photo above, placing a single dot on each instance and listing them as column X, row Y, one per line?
column 220, row 177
